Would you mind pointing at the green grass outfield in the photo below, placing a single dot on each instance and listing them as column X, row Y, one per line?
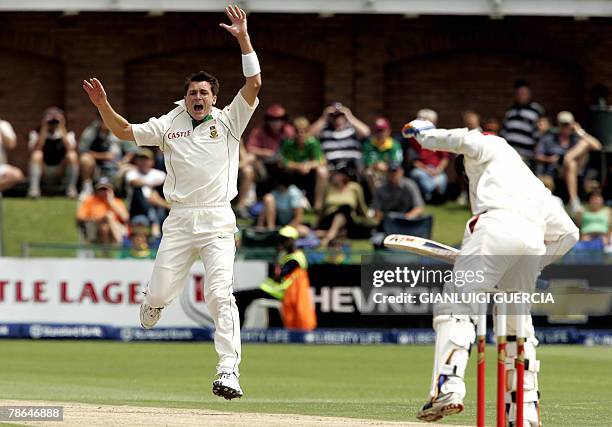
column 379, row 382
column 52, row 220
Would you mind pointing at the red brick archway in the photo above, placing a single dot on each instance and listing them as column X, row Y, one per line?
column 28, row 84
column 451, row 82
column 296, row 82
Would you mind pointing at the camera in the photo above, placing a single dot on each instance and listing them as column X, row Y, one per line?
column 53, row 122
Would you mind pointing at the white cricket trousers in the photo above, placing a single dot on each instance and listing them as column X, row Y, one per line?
column 206, row 232
column 507, row 249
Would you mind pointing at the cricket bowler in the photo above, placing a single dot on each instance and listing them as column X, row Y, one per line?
column 200, row 144
column 517, row 229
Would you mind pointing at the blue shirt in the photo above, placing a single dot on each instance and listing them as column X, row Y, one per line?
column 286, row 202
column 550, row 145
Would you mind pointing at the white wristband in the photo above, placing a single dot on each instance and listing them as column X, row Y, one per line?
column 250, row 65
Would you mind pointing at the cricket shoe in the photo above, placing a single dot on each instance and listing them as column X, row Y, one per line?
column 226, row 385
column 149, row 316
column 444, row 404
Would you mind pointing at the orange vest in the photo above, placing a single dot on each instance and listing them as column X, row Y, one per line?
column 298, row 308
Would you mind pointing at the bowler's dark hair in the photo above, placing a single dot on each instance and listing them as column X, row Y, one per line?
column 203, row 76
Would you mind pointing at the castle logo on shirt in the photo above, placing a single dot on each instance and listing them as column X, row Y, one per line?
column 213, row 132
column 179, row 134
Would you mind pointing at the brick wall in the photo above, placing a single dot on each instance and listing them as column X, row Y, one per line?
column 375, row 64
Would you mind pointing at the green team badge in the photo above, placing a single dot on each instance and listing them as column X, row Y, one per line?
column 213, row 132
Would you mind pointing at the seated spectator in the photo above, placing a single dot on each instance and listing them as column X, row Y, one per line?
column 379, row 151
column 471, row 119
column 344, row 208
column 102, row 216
column 340, row 133
column 490, row 126
column 101, row 154
column 145, row 203
column 139, row 247
column 263, row 144
column 9, row 175
column 429, row 171
column 399, row 195
column 427, row 167
column 595, row 223
column 53, row 153
column 543, row 126
column 567, row 146
column 303, row 161
column 284, row 205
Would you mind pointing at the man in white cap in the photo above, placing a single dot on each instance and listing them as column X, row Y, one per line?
column 201, row 146
column 567, row 146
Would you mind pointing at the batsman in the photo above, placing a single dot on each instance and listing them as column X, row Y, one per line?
column 200, row 144
column 517, row 229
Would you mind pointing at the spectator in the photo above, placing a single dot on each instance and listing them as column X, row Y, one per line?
column 429, row 171
column 490, row 126
column 543, row 125
column 428, row 167
column 102, row 216
column 139, row 247
column 101, row 154
column 303, row 160
column 344, row 207
column 568, row 145
column 594, row 223
column 471, row 119
column 264, row 141
column 264, row 144
column 340, row 133
column 145, row 203
column 9, row 175
column 399, row 195
column 379, row 151
column 519, row 127
column 53, row 153
column 284, row 205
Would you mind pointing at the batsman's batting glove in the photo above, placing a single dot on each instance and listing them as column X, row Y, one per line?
column 415, row 127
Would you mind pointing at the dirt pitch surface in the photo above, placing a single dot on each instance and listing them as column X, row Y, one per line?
column 83, row 414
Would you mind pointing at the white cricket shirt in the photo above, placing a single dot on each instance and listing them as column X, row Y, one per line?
column 498, row 178
column 202, row 163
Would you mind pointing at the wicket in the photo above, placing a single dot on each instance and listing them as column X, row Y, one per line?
column 501, row 340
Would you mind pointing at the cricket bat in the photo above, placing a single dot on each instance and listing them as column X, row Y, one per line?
column 421, row 246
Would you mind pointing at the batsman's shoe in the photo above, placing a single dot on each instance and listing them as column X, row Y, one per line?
column 226, row 385
column 149, row 316
column 442, row 405
column 413, row 128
